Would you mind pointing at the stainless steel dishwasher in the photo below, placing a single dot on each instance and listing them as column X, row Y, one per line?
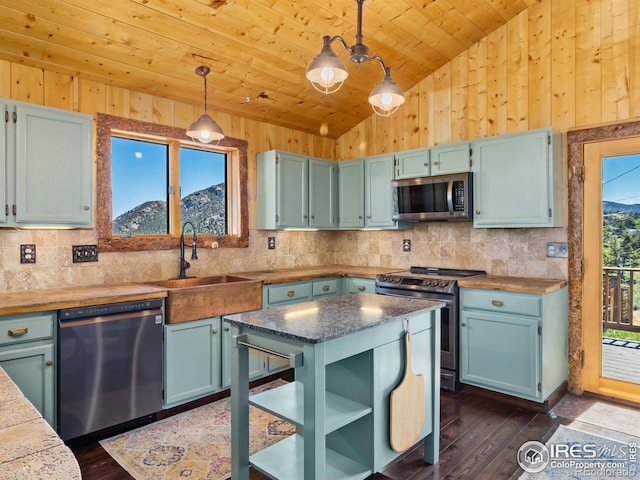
column 110, row 365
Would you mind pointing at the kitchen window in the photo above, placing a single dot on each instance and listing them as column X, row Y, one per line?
column 153, row 178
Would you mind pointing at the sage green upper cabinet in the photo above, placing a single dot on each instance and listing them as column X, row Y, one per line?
column 351, row 192
column 323, row 193
column 47, row 167
column 518, row 180
column 438, row 160
column 413, row 163
column 451, row 158
column 378, row 173
column 293, row 188
column 365, row 193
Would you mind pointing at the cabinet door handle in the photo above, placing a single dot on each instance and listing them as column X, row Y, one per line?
column 325, row 288
column 214, row 331
column 463, row 324
column 49, row 363
column 359, row 217
column 435, row 163
column 15, row 210
column 304, row 216
column 291, row 293
column 226, row 329
column 86, row 207
column 361, row 288
column 477, row 212
column 497, row 303
column 18, row 331
column 312, row 217
column 426, row 164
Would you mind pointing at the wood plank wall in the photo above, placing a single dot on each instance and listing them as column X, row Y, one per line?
column 565, row 64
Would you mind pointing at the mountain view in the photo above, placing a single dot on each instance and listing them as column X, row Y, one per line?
column 613, row 207
column 621, row 234
column 206, row 208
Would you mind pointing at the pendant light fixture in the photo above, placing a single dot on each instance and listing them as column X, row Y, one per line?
column 205, row 129
column 327, row 73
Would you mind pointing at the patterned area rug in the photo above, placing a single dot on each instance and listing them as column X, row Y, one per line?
column 573, row 454
column 194, row 444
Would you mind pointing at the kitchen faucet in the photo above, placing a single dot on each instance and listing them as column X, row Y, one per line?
column 194, row 253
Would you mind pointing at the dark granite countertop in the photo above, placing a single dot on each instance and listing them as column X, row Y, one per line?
column 326, row 319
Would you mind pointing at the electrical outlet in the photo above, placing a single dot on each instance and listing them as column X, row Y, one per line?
column 85, row 253
column 560, row 250
column 406, row 245
column 28, row 253
column 271, row 243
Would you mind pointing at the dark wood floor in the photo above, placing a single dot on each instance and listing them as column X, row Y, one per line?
column 479, row 438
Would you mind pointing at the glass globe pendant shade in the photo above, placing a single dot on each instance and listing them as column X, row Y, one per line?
column 386, row 97
column 205, row 130
column 326, row 72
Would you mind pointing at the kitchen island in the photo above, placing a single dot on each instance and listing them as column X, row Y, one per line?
column 349, row 355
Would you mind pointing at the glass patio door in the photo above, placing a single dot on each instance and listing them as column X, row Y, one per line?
column 611, row 292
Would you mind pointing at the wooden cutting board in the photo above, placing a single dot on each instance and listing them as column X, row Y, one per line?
column 407, row 406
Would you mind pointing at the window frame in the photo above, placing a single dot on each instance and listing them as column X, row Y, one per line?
column 236, row 185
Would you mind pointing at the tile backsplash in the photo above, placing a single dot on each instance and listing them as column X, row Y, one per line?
column 515, row 252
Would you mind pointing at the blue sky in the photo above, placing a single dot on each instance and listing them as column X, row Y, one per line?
column 621, row 179
column 139, row 172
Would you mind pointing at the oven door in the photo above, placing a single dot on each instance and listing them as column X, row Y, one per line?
column 448, row 323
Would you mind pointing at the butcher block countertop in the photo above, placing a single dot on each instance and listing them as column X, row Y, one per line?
column 58, row 298
column 299, row 274
column 513, row 284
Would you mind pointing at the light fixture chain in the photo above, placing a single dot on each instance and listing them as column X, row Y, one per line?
column 205, row 93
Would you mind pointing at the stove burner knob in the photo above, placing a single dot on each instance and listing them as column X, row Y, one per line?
column 444, row 283
column 425, row 282
column 397, row 279
column 383, row 278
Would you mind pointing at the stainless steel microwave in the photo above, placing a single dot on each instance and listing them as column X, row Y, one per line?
column 440, row 197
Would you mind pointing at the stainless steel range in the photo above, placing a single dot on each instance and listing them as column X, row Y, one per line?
column 434, row 284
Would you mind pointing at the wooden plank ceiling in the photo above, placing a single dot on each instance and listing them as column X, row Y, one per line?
column 258, row 50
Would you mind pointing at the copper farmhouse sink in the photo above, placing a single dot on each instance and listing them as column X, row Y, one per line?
column 198, row 281
column 194, row 298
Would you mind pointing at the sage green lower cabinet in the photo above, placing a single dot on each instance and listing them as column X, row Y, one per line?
column 358, row 285
column 295, row 292
column 513, row 342
column 28, row 354
column 193, row 360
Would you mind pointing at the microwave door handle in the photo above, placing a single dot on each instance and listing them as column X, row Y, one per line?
column 450, row 196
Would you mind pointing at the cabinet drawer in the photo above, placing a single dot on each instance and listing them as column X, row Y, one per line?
column 27, row 327
column 360, row 285
column 325, row 287
column 288, row 293
column 498, row 301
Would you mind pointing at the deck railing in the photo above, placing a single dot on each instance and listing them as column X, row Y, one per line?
column 619, row 311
